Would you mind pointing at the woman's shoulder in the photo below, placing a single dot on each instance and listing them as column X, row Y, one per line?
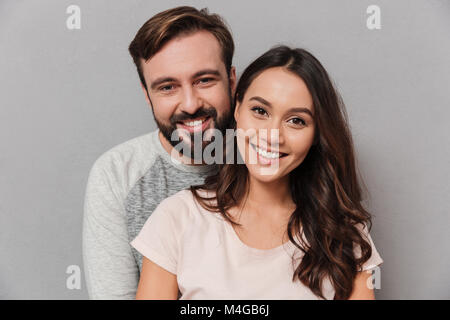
column 177, row 202
column 184, row 202
column 186, row 197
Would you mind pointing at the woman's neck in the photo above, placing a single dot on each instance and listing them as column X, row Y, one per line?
column 274, row 195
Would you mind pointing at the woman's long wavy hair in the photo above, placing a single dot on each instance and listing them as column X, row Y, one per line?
column 324, row 186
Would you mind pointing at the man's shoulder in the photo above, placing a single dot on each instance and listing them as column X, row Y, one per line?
column 133, row 148
column 127, row 161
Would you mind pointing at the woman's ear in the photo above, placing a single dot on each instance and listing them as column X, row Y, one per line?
column 236, row 111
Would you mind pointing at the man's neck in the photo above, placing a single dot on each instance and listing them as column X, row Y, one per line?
column 174, row 154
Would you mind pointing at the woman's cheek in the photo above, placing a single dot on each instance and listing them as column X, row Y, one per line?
column 245, row 122
column 301, row 143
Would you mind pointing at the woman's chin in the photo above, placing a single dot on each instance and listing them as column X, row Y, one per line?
column 264, row 173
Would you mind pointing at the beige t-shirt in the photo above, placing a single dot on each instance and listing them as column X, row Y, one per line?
column 211, row 262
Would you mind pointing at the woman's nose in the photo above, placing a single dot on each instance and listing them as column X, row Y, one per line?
column 275, row 133
column 271, row 136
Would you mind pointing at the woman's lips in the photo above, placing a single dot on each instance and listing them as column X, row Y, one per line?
column 266, row 157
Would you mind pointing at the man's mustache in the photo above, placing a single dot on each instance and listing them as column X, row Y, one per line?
column 211, row 112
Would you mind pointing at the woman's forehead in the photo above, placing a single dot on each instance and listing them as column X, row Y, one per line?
column 280, row 88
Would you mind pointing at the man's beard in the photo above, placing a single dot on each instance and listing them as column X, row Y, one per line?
column 192, row 149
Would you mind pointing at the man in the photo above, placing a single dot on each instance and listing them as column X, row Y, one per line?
column 183, row 58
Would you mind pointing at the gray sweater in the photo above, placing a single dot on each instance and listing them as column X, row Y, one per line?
column 125, row 185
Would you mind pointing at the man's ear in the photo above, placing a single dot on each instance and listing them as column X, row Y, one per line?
column 233, row 81
column 146, row 95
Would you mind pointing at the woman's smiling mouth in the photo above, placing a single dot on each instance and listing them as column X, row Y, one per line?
column 267, row 157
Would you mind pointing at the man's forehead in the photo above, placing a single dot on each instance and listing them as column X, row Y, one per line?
column 185, row 56
column 183, row 70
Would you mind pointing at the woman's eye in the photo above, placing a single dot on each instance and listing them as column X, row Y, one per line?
column 258, row 110
column 298, row 121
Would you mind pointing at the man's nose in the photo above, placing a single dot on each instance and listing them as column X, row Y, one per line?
column 191, row 102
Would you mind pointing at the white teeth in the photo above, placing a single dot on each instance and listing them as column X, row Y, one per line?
column 267, row 154
column 193, row 123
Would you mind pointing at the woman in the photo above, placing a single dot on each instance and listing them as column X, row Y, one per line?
column 289, row 225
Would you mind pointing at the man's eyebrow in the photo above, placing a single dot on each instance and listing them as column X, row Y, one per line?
column 267, row 103
column 158, row 81
column 200, row 73
column 205, row 72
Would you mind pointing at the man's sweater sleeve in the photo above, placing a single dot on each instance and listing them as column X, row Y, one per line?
column 110, row 269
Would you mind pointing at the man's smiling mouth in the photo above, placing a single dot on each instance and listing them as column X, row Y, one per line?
column 198, row 124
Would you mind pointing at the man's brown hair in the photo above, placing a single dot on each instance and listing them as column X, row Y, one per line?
column 169, row 24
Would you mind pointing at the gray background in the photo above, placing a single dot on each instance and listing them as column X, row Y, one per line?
column 69, row 95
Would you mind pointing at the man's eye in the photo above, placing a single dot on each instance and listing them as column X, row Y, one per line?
column 259, row 111
column 166, row 88
column 298, row 121
column 205, row 80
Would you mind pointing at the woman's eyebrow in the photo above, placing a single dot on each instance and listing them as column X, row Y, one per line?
column 302, row 110
column 297, row 109
column 263, row 101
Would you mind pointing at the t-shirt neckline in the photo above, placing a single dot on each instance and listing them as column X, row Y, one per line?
column 286, row 247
